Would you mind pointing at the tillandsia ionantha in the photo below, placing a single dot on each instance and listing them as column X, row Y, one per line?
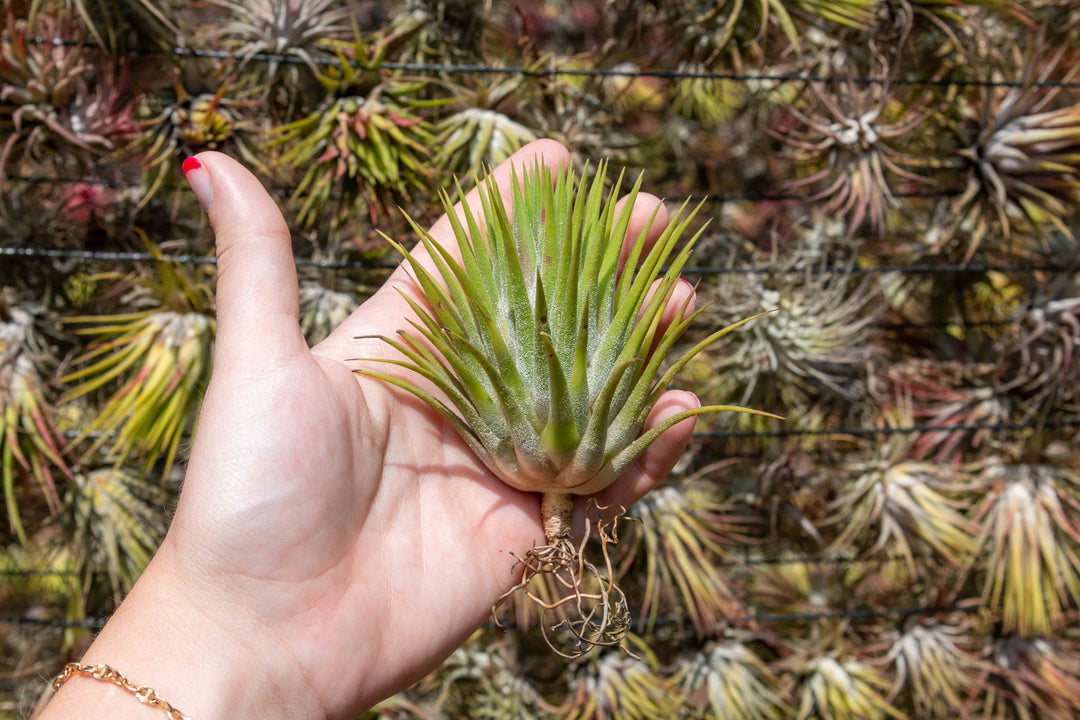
column 732, row 682
column 545, row 347
column 159, row 358
column 1030, row 536
column 187, row 124
column 852, row 145
column 291, row 32
column 1022, row 157
column 934, row 666
column 29, row 443
column 682, row 533
column 113, row 520
column 367, row 140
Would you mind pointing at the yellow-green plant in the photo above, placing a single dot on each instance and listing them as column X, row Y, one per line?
column 30, row 446
column 1030, row 539
column 483, row 132
column 936, row 667
column 832, row 689
column 684, row 530
column 545, row 349
column 1023, row 158
column 367, row 141
column 113, row 524
column 155, row 365
column 912, row 504
column 730, row 682
column 617, row 686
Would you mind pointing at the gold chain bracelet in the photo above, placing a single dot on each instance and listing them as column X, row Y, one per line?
column 143, row 694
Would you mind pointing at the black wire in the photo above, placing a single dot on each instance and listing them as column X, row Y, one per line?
column 478, row 69
column 923, row 269
column 1002, row 427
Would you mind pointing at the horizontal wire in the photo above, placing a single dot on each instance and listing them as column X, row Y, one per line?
column 480, row 69
column 859, row 614
column 735, row 562
column 1001, row 427
column 918, row 269
column 711, row 198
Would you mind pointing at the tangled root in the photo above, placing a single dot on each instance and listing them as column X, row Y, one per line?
column 591, row 610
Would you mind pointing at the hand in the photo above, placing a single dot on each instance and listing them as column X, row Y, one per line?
column 334, row 535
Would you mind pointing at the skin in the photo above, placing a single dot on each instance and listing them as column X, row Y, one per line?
column 335, row 540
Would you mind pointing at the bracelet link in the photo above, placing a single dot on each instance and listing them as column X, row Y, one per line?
column 143, row 693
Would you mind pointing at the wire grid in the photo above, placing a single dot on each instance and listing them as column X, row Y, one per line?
column 913, row 269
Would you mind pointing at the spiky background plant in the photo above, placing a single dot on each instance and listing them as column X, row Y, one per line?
column 683, row 532
column 482, row 133
column 30, row 447
column 1031, row 537
column 847, row 139
column 813, row 348
column 368, row 141
column 1033, row 679
column 113, row 522
column 154, row 365
column 322, row 309
column 622, row 687
column 293, row 32
column 935, row 665
column 552, row 395
column 728, row 681
column 842, row 690
column 1021, row 150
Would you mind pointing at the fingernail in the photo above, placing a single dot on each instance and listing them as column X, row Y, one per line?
column 199, row 180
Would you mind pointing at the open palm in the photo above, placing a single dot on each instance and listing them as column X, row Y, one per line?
column 345, row 522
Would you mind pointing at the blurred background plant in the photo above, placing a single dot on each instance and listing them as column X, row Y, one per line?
column 896, row 179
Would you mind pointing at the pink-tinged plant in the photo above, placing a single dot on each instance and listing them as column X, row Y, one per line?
column 1032, row 679
column 1030, row 537
column 728, row 681
column 850, row 135
column 1022, row 151
column 30, row 447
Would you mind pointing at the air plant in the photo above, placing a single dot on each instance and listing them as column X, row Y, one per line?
column 1036, row 679
column 684, row 530
column 832, row 689
column 322, row 309
column 112, row 23
column 728, row 681
column 30, row 445
column 38, row 83
column 1022, row 158
column 710, row 101
column 113, row 524
column 1030, row 535
column 814, row 348
column 547, row 353
column 178, row 127
column 367, row 141
column 955, row 402
column 617, row 686
column 155, row 364
column 292, row 32
column 489, row 686
column 935, row 667
column 1038, row 355
column 710, row 27
column 483, row 133
column 912, row 504
column 849, row 141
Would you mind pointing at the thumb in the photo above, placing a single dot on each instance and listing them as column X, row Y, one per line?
column 257, row 297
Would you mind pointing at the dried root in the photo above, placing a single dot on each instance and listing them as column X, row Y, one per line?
column 591, row 611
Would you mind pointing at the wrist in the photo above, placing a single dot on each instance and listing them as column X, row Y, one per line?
column 192, row 653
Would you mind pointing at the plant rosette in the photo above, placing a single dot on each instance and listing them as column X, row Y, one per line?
column 544, row 351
